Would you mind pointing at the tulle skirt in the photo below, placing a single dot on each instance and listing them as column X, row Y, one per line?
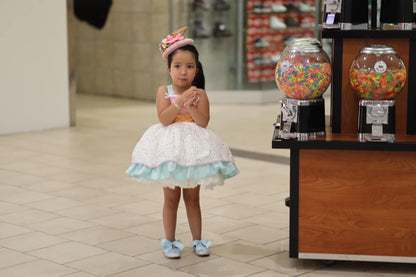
column 182, row 154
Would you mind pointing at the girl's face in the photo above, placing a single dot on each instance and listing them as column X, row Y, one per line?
column 183, row 68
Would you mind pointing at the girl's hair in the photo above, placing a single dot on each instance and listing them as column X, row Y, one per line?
column 199, row 80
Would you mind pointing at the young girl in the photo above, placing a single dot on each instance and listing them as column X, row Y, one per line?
column 181, row 153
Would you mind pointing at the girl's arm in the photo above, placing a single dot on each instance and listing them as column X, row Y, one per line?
column 166, row 112
column 200, row 113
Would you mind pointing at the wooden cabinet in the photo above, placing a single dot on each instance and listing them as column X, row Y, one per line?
column 351, row 200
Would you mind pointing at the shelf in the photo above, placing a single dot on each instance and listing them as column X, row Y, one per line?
column 346, row 142
column 336, row 33
column 279, row 13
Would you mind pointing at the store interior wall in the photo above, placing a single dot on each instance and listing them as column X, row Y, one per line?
column 71, row 61
column 33, row 66
column 218, row 54
column 122, row 58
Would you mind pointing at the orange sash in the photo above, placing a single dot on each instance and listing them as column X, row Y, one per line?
column 183, row 118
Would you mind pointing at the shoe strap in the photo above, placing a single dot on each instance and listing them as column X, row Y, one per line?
column 203, row 242
column 166, row 244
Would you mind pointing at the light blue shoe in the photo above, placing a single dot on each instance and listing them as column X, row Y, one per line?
column 169, row 251
column 201, row 247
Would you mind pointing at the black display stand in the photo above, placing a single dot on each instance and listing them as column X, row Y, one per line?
column 346, row 46
column 352, row 200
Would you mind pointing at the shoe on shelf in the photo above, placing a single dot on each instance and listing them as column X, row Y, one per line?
column 278, row 8
column 221, row 5
column 261, row 8
column 291, row 7
column 172, row 250
column 307, row 22
column 276, row 57
column 276, row 23
column 200, row 31
column 260, row 42
column 287, row 39
column 201, row 247
column 220, row 30
column 306, row 8
column 200, row 4
column 261, row 60
column 291, row 22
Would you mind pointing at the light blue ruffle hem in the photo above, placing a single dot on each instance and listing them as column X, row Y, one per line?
column 180, row 173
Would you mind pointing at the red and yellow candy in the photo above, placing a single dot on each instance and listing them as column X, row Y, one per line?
column 370, row 84
column 302, row 80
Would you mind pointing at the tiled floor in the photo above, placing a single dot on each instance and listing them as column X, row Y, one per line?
column 67, row 208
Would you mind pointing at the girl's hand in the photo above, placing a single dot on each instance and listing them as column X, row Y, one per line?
column 189, row 96
column 192, row 101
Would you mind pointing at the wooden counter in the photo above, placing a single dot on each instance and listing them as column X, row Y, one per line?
column 352, row 200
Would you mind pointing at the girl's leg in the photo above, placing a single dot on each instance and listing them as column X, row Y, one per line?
column 193, row 211
column 170, row 209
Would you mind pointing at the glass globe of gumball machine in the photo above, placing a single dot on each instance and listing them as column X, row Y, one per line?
column 303, row 74
column 377, row 75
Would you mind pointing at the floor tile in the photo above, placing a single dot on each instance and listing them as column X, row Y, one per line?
column 132, row 246
column 282, row 263
column 142, row 207
column 6, row 208
column 153, row 270
column 108, row 264
column 11, row 258
column 243, row 251
column 31, row 241
column 9, row 230
column 86, row 212
column 38, row 268
column 122, row 220
column 274, row 219
column 79, row 193
column 220, row 224
column 155, row 229
column 27, row 217
column 269, row 273
column 48, row 186
column 236, row 211
column 66, row 252
column 259, row 234
column 188, row 258
column 60, row 225
column 96, row 235
column 222, row 267
column 54, row 204
column 80, row 274
column 20, row 196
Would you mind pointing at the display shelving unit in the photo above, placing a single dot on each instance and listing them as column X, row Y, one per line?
column 261, row 60
column 352, row 200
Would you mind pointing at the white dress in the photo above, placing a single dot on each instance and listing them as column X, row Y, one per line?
column 181, row 154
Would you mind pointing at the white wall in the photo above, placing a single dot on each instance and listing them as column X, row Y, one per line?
column 34, row 93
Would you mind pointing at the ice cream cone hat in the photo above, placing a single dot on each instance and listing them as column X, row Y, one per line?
column 174, row 41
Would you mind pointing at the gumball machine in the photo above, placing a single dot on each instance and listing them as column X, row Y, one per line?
column 303, row 74
column 377, row 75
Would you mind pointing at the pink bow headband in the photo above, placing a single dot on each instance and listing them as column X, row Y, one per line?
column 174, row 41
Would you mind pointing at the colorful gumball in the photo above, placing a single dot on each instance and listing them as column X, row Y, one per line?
column 377, row 73
column 303, row 72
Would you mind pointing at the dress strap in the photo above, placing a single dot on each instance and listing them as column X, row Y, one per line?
column 170, row 90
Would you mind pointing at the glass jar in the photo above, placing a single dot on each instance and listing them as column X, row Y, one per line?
column 377, row 73
column 303, row 71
